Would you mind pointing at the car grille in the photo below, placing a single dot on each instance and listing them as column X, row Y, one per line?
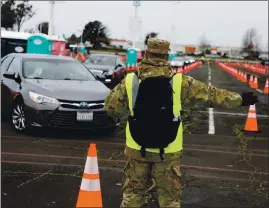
column 68, row 119
column 75, row 104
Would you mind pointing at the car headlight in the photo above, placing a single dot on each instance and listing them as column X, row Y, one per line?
column 37, row 98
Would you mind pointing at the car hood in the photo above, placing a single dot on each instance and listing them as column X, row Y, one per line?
column 99, row 67
column 72, row 90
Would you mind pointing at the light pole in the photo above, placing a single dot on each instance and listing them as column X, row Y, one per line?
column 173, row 27
column 136, row 4
column 51, row 19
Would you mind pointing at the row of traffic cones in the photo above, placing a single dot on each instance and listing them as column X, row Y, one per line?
column 253, row 81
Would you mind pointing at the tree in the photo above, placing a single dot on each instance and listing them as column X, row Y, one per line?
column 250, row 43
column 96, row 33
column 7, row 14
column 204, row 45
column 43, row 27
column 73, row 39
column 23, row 12
column 150, row 35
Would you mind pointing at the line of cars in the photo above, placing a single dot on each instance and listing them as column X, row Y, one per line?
column 53, row 91
column 181, row 61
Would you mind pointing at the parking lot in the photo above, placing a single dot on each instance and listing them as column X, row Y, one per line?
column 220, row 169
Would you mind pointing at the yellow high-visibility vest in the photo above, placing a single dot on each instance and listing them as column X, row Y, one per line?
column 132, row 84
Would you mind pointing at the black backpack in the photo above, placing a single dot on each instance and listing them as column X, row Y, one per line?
column 153, row 124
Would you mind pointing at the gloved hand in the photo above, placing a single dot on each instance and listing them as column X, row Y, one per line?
column 248, row 99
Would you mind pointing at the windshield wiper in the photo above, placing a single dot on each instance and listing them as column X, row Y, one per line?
column 37, row 78
column 74, row 79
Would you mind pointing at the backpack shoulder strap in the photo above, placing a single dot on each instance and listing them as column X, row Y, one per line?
column 132, row 85
column 176, row 82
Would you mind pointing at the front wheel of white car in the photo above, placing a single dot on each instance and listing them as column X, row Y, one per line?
column 18, row 117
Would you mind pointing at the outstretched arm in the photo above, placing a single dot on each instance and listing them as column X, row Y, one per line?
column 116, row 103
column 194, row 91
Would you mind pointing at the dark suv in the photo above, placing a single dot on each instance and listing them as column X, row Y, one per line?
column 107, row 65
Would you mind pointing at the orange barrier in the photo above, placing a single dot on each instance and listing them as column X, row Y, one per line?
column 258, row 68
column 192, row 66
column 251, row 122
column 80, row 57
column 90, row 190
column 253, row 82
column 265, row 91
column 231, row 70
column 136, row 67
column 128, row 68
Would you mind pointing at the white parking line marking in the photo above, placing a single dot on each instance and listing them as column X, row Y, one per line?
column 259, row 91
column 211, row 123
column 234, row 114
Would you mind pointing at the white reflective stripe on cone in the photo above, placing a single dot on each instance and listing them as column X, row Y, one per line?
column 91, row 166
column 90, row 185
column 252, row 108
column 252, row 115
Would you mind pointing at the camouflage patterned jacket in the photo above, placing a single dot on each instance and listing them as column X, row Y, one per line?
column 192, row 92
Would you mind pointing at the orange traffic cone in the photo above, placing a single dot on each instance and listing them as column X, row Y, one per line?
column 179, row 70
column 245, row 80
column 136, row 67
column 132, row 67
column 265, row 91
column 239, row 75
column 250, row 80
column 90, row 189
column 251, row 123
column 255, row 84
column 128, row 67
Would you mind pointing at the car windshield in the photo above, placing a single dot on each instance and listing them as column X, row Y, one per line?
column 101, row 60
column 55, row 69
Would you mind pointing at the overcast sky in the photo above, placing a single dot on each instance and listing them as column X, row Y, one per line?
column 222, row 22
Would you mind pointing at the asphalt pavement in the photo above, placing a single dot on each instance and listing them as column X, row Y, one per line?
column 221, row 167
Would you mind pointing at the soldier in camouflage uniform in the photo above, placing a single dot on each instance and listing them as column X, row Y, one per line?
column 141, row 174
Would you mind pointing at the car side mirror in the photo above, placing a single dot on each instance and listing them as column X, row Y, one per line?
column 101, row 78
column 9, row 75
column 119, row 65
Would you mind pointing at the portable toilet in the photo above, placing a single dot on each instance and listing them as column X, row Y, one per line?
column 13, row 42
column 131, row 59
column 172, row 55
column 39, row 44
column 81, row 48
column 58, row 45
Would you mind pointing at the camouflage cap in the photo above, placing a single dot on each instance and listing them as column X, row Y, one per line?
column 156, row 45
